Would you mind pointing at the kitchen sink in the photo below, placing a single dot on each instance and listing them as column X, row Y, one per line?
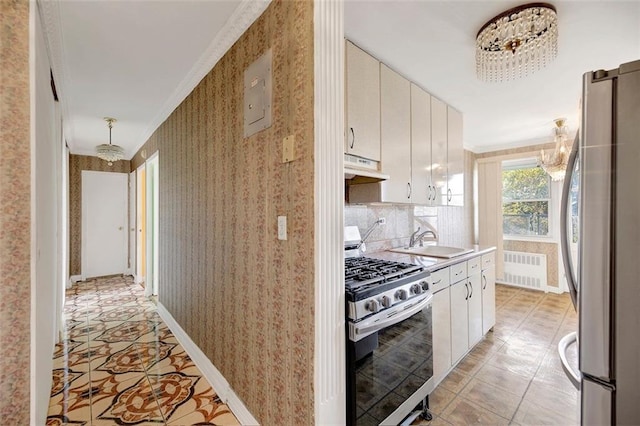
column 433, row 251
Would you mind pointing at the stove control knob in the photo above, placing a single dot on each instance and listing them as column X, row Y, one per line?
column 401, row 294
column 416, row 289
column 386, row 301
column 425, row 285
column 373, row 305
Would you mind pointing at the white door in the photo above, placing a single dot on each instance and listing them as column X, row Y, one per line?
column 141, row 217
column 131, row 267
column 104, row 223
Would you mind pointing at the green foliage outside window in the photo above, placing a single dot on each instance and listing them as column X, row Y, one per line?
column 525, row 201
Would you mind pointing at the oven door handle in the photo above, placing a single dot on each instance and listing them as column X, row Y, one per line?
column 367, row 327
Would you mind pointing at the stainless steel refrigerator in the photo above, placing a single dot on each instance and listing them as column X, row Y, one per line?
column 601, row 195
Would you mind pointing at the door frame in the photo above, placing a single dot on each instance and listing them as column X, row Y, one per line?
column 84, row 224
column 133, row 188
column 151, row 210
column 140, row 224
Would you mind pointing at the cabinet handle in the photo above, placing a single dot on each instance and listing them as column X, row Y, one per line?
column 484, row 278
column 436, row 282
column 449, row 195
column 471, row 286
column 429, row 193
column 408, row 189
column 434, row 193
column 466, row 285
column 353, row 138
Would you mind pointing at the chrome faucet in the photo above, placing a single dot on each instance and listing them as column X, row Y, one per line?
column 412, row 240
column 416, row 236
column 421, row 236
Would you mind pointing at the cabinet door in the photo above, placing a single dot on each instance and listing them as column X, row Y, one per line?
column 488, row 299
column 420, row 146
column 363, row 104
column 475, row 309
column 395, row 135
column 455, row 158
column 441, row 334
column 459, row 320
column 439, row 150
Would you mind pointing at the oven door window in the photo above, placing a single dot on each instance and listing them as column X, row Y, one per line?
column 402, row 363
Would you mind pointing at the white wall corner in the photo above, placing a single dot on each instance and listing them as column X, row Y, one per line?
column 329, row 357
column 215, row 378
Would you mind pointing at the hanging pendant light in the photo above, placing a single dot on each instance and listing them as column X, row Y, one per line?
column 109, row 152
column 555, row 163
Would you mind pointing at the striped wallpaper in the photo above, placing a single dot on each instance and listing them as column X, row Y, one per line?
column 243, row 296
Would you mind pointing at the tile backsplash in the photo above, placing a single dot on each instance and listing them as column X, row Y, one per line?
column 451, row 224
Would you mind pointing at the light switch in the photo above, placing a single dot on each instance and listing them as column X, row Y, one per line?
column 288, row 149
column 282, row 227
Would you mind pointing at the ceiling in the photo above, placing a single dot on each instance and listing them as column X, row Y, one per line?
column 432, row 43
column 137, row 60
column 134, row 61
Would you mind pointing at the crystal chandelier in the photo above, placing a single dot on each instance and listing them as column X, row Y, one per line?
column 517, row 42
column 109, row 152
column 555, row 163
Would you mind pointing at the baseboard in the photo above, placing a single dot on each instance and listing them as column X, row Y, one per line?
column 555, row 290
column 209, row 371
column 546, row 289
column 74, row 279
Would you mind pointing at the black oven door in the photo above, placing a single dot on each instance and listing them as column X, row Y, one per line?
column 389, row 371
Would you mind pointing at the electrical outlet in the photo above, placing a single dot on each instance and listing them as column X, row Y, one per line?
column 382, row 220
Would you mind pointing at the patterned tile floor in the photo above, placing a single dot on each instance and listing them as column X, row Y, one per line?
column 514, row 375
column 120, row 364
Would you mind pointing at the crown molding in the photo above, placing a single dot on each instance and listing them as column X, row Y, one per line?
column 241, row 19
column 49, row 11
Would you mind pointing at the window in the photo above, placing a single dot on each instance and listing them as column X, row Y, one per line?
column 526, row 197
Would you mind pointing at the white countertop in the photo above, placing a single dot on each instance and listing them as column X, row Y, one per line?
column 431, row 263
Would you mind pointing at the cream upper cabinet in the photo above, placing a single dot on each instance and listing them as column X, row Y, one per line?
column 363, row 104
column 455, row 158
column 395, row 135
column 439, row 151
column 422, row 192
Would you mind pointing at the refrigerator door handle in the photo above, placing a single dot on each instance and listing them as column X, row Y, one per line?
column 563, row 345
column 564, row 239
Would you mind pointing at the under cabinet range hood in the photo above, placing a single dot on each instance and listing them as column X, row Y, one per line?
column 360, row 170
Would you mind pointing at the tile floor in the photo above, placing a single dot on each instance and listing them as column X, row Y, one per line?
column 120, row 364
column 514, row 375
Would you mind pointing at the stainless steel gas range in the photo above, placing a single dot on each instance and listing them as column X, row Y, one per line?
column 389, row 341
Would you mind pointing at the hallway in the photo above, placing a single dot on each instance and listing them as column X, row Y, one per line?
column 118, row 363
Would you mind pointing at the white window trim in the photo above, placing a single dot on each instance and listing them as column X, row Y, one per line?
column 551, row 237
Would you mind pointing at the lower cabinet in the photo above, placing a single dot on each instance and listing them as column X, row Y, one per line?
column 459, row 320
column 462, row 312
column 441, row 333
column 474, row 307
column 488, row 292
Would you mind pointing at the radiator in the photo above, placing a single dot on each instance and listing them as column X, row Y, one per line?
column 525, row 269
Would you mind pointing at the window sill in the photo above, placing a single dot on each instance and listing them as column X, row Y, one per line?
column 530, row 238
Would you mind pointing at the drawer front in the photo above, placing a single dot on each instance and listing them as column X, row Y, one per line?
column 488, row 260
column 457, row 272
column 474, row 265
column 440, row 279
